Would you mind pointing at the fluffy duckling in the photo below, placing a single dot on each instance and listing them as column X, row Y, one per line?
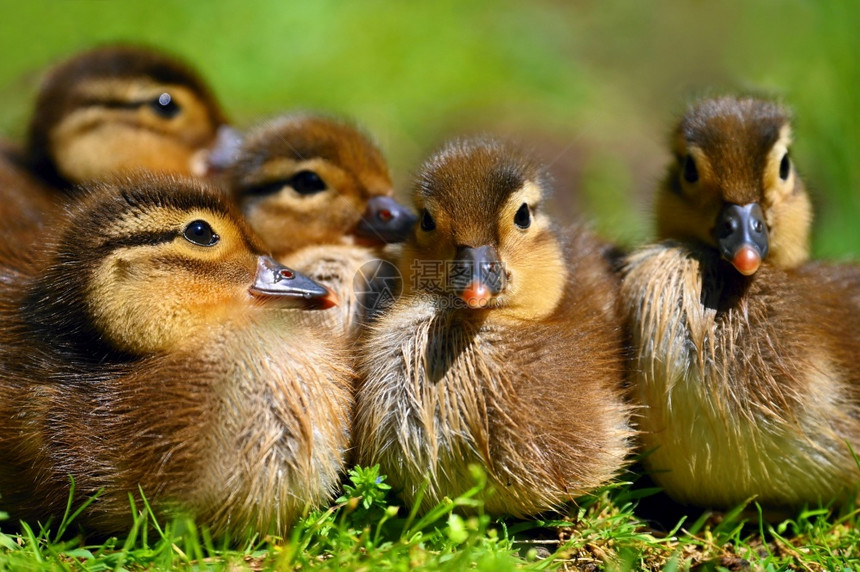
column 745, row 357
column 110, row 110
column 116, row 109
column 318, row 192
column 733, row 178
column 150, row 347
column 504, row 350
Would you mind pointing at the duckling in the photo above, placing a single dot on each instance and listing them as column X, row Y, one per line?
column 116, row 109
column 733, row 168
column 504, row 351
column 153, row 345
column 113, row 109
column 319, row 193
column 745, row 355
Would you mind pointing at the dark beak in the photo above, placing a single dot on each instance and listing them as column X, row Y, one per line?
column 385, row 220
column 225, row 152
column 741, row 235
column 276, row 280
column 476, row 275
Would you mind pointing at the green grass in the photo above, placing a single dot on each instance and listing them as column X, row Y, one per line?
column 368, row 529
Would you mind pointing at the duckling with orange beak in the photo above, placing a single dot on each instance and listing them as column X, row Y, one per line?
column 744, row 352
column 153, row 346
column 504, row 350
column 318, row 191
column 733, row 186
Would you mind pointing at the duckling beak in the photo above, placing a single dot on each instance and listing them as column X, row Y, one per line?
column 741, row 235
column 385, row 220
column 476, row 275
column 273, row 279
column 225, row 152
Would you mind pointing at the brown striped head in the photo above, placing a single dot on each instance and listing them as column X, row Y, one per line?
column 733, row 186
column 116, row 109
column 146, row 264
column 483, row 237
column 306, row 179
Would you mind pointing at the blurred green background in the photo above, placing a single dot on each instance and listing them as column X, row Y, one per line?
column 591, row 87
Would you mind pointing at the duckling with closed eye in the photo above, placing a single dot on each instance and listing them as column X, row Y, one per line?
column 318, row 191
column 113, row 109
column 744, row 353
column 153, row 345
column 504, row 351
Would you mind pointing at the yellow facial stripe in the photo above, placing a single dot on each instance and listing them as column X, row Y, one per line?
column 774, row 186
column 530, row 194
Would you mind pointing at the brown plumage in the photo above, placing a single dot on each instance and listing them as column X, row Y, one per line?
column 25, row 200
column 117, row 109
column 150, row 345
column 318, row 192
column 113, row 109
column 504, row 350
column 748, row 376
column 735, row 150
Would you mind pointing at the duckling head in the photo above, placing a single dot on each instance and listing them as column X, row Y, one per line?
column 147, row 264
column 484, row 240
column 307, row 179
column 733, row 185
column 117, row 109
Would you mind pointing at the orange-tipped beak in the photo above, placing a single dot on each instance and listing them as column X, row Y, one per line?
column 746, row 261
column 330, row 300
column 274, row 280
column 476, row 275
column 476, row 295
column 740, row 232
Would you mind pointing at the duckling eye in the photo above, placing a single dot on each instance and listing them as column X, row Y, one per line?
column 691, row 174
column 164, row 106
column 523, row 218
column 427, row 222
column 307, row 183
column 200, row 233
column 784, row 167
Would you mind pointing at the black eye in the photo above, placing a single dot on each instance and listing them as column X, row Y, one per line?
column 523, row 218
column 427, row 222
column 307, row 183
column 691, row 174
column 200, row 233
column 784, row 167
column 165, row 106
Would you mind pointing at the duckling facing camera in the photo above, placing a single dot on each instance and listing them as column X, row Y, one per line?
column 504, row 350
column 152, row 344
column 319, row 193
column 745, row 355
